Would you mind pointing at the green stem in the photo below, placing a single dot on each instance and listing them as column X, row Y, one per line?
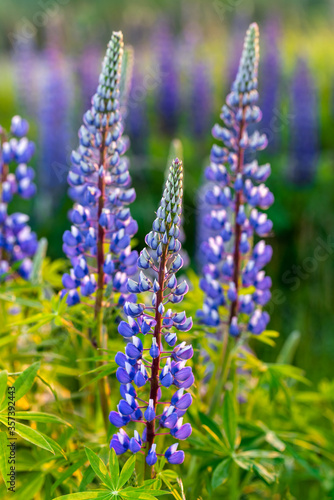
column 234, row 493
column 219, row 377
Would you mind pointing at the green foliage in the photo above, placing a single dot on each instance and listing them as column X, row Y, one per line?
column 269, row 433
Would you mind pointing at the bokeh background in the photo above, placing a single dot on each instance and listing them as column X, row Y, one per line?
column 185, row 57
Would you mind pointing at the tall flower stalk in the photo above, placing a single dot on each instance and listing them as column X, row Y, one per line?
column 18, row 243
column 233, row 275
column 98, row 243
column 164, row 367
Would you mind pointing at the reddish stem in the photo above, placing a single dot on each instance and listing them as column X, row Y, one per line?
column 237, row 227
column 150, row 426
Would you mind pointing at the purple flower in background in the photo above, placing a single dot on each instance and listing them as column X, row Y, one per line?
column 145, row 373
column 54, row 126
column 238, row 190
column 26, row 67
column 98, row 242
column 18, row 243
column 270, row 71
column 304, row 147
column 137, row 119
column 201, row 100
column 88, row 72
column 168, row 98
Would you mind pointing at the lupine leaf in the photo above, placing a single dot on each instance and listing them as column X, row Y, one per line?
column 229, row 419
column 3, row 384
column 31, row 435
column 25, row 381
column 86, row 495
column 127, row 471
column 3, row 456
column 36, row 272
column 40, row 417
column 98, row 466
column 268, row 476
column 113, row 467
column 210, row 424
column 220, row 473
column 88, row 477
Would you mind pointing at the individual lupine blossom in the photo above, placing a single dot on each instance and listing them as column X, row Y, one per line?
column 169, row 86
column 232, row 263
column 18, row 243
column 98, row 242
column 145, row 373
column 304, row 145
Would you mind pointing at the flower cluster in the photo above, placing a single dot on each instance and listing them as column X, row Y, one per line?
column 17, row 242
column 98, row 243
column 237, row 198
column 145, row 372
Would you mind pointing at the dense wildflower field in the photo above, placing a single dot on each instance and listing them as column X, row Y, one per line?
column 166, row 258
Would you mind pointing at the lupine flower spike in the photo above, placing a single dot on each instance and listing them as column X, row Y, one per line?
column 239, row 187
column 146, row 373
column 98, row 243
column 18, row 243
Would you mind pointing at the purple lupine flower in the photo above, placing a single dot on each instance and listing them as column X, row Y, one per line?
column 98, row 243
column 201, row 99
column 238, row 187
column 304, row 125
column 54, row 126
column 18, row 243
column 25, row 64
column 162, row 364
column 168, row 90
column 137, row 120
column 270, row 72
